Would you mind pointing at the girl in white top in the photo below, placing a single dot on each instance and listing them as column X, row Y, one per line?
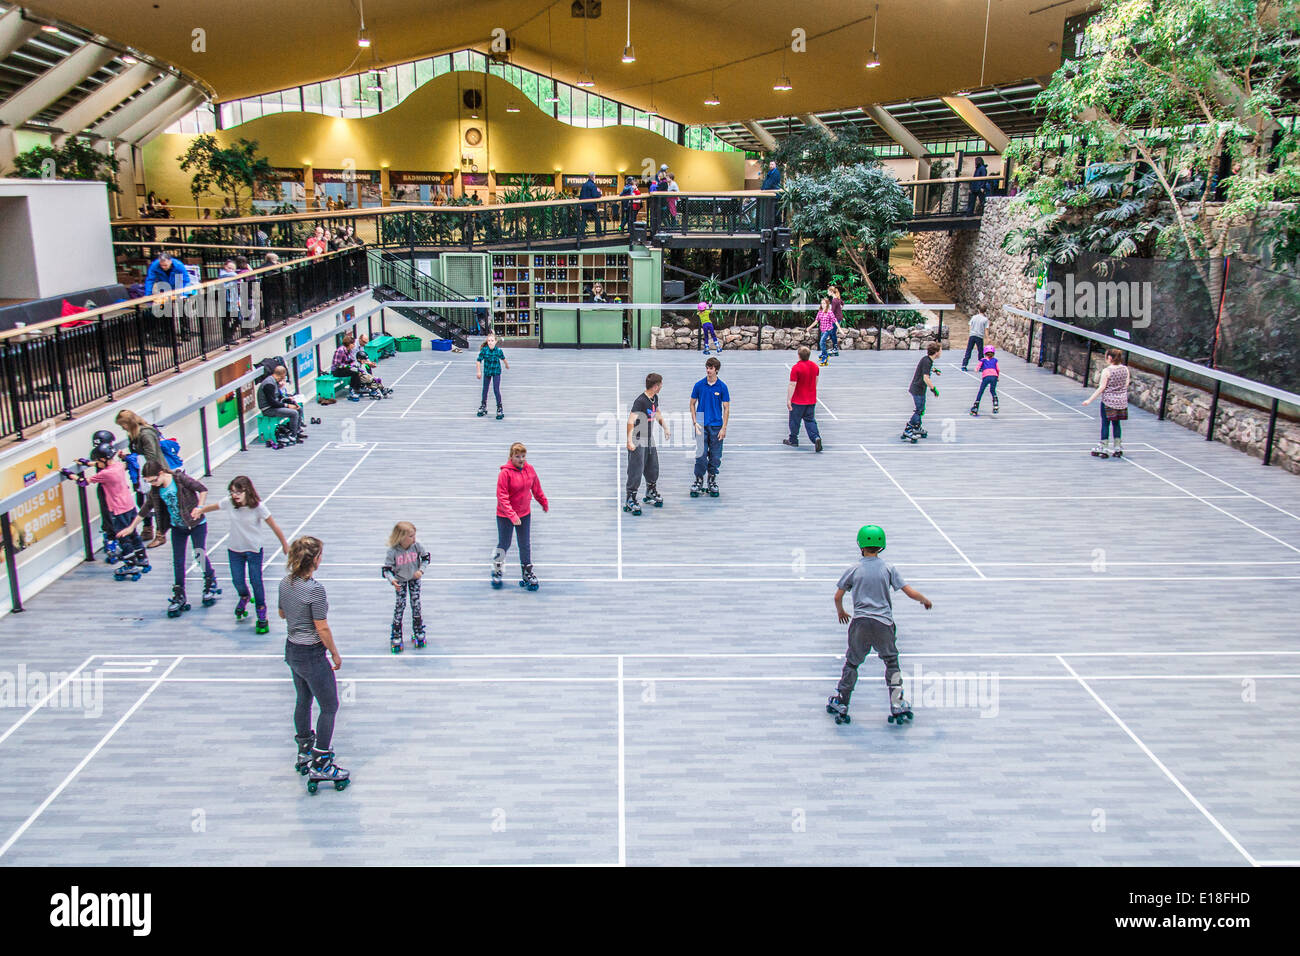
column 248, row 520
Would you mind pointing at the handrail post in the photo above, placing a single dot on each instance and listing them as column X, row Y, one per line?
column 85, row 523
column 1029, row 348
column 139, row 338
column 1087, row 364
column 203, row 433
column 239, row 414
column 1214, row 410
column 1272, row 428
column 101, row 339
column 61, row 365
column 11, row 564
column 1164, row 393
column 11, row 388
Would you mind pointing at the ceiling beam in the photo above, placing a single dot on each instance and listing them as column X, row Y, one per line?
column 900, row 135
column 109, row 95
column 977, row 120
column 112, row 127
column 765, row 139
column 45, row 89
column 813, row 122
column 188, row 104
column 14, row 30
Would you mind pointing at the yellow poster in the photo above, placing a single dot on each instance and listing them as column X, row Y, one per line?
column 36, row 517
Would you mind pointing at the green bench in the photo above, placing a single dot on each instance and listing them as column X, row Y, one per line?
column 381, row 346
column 266, row 426
column 328, row 386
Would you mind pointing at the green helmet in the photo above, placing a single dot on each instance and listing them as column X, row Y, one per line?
column 871, row 536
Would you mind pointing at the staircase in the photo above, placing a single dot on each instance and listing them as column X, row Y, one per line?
column 394, row 280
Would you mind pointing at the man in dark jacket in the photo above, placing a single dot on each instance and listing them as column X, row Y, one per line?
column 773, row 178
column 591, row 191
column 272, row 402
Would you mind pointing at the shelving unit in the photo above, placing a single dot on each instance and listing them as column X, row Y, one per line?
column 522, row 280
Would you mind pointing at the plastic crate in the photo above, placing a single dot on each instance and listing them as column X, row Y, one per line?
column 441, row 345
column 409, row 343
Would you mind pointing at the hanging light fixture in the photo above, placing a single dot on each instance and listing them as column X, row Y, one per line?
column 652, row 111
column 782, row 84
column 873, row 59
column 554, row 96
column 49, row 28
column 363, row 38
column 629, row 55
column 585, row 79
column 712, row 98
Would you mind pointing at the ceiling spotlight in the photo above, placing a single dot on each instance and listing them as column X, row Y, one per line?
column 782, row 84
column 873, row 60
column 363, row 39
column 962, row 93
column 512, row 107
column 50, row 28
column 712, row 100
column 129, row 60
column 629, row 55
column 553, row 98
column 585, row 80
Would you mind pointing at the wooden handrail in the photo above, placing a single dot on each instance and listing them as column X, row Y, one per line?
column 955, row 179
column 199, row 245
column 104, row 310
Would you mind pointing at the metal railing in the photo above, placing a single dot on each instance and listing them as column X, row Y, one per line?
column 946, row 199
column 51, row 368
column 1168, row 362
column 386, row 269
column 197, row 407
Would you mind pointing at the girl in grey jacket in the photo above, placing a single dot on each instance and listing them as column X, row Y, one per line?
column 404, row 566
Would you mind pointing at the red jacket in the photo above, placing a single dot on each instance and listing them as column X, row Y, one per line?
column 516, row 487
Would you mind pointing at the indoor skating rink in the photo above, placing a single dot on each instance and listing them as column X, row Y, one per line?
column 1110, row 674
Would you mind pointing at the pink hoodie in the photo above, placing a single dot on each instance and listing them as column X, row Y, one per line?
column 516, row 488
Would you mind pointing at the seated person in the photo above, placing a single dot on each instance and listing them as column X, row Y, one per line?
column 351, row 363
column 273, row 403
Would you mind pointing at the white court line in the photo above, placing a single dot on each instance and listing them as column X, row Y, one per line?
column 323, row 501
column 622, row 802
column 375, row 401
column 445, row 366
column 1077, row 411
column 982, row 579
column 954, row 365
column 781, row 655
column 922, row 510
column 1221, row 481
column 711, row 679
column 1277, row 862
column 46, row 699
column 840, row 565
column 1156, row 760
column 1211, row 504
column 618, row 462
column 390, row 497
column 86, row 759
column 1040, row 497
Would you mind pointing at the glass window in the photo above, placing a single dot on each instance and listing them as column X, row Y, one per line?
column 270, row 103
column 423, row 72
column 331, row 98
column 442, row 64
column 497, row 69
column 595, row 110
column 477, row 61
column 251, row 109
column 611, row 113
column 562, row 108
column 350, row 96
column 230, row 115
column 528, row 83
column 311, row 97
column 405, row 83
column 460, row 60
column 578, row 107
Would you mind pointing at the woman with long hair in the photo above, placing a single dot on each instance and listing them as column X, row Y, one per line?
column 143, row 440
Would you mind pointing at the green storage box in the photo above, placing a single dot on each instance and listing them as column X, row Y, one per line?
column 409, row 343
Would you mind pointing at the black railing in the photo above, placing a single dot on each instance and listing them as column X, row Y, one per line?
column 394, row 279
column 952, row 198
column 51, row 369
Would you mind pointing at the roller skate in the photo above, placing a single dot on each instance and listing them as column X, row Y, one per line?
column 697, row 488
column 909, row 434
column 713, row 486
column 132, row 567
column 482, row 410
column 975, row 411
column 324, row 770
column 1099, row 451
column 241, row 607
column 834, row 353
column 263, row 626
column 995, row 404
column 500, row 413
column 303, row 761
column 498, row 567
column 1116, row 448
column 417, row 635
column 210, row 590
column 652, row 496
column 632, row 504
column 706, row 350
column 840, row 709
column 527, row 579
column 395, row 643
column 900, row 710
column 111, row 553
column 178, row 603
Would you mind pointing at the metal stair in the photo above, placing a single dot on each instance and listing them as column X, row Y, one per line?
column 393, row 280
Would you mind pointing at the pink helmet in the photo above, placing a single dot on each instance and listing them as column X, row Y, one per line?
column 989, row 350
column 702, row 307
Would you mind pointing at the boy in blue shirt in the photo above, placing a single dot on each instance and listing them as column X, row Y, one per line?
column 871, row 626
column 710, row 410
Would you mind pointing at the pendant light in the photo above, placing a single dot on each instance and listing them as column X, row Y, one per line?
column 782, row 84
column 585, row 79
column 629, row 55
column 554, row 95
column 652, row 111
column 363, row 38
column 712, row 98
column 873, row 59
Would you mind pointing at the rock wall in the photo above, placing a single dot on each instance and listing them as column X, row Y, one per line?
column 979, row 276
column 745, row 337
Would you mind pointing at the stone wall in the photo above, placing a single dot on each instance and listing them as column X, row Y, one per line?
column 745, row 337
column 971, row 266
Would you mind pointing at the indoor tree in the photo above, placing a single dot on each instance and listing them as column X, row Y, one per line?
column 75, row 159
column 234, row 171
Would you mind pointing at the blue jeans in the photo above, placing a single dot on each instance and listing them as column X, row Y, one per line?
column 991, row 383
column 505, row 528
column 252, row 562
column 803, row 414
column 1107, row 424
column 708, row 451
column 495, row 382
column 919, row 402
column 973, row 344
column 821, row 344
column 313, row 679
column 835, row 338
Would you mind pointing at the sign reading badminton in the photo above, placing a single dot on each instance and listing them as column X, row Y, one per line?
column 36, row 517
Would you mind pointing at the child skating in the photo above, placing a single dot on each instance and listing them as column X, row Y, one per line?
column 1112, row 389
column 249, row 518
column 642, row 456
column 828, row 327
column 922, row 379
column 517, row 486
column 177, row 500
column 988, row 379
column 118, row 507
column 871, row 625
column 488, row 366
column 801, row 400
column 404, row 566
column 710, row 411
column 706, row 327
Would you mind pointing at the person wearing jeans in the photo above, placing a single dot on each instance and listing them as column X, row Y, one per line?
column 1113, row 392
column 710, row 411
column 975, row 342
column 801, row 400
column 178, row 500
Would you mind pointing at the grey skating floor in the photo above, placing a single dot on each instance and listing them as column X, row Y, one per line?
column 1110, row 674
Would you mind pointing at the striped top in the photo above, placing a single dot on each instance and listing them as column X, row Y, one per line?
column 1116, row 393
column 303, row 603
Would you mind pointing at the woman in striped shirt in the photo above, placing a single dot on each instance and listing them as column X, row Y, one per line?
column 304, row 606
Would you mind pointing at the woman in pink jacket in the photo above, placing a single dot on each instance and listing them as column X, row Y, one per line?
column 517, row 485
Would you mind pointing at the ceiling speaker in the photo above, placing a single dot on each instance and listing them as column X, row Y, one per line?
column 473, row 99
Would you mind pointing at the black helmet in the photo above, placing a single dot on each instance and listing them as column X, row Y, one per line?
column 101, row 450
column 103, row 437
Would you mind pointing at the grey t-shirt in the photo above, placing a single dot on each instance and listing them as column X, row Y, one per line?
column 978, row 323
column 869, row 582
column 303, row 603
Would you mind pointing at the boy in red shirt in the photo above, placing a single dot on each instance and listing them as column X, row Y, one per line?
column 801, row 399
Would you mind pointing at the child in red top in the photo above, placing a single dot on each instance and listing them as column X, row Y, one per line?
column 801, row 399
column 517, row 485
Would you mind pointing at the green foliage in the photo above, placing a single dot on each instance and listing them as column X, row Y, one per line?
column 233, row 171
column 75, row 159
